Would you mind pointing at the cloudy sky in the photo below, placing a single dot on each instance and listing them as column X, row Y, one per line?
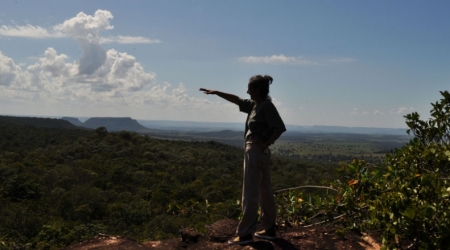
column 345, row 63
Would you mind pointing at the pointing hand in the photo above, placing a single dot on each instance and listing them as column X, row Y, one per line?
column 208, row 91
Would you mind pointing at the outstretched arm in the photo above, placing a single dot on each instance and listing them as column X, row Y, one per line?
column 229, row 97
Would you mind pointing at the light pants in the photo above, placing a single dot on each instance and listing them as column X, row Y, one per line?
column 257, row 190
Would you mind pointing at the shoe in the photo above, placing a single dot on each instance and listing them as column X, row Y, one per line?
column 268, row 234
column 241, row 240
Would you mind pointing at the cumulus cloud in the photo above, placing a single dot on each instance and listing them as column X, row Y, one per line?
column 8, row 70
column 87, row 27
column 123, row 70
column 121, row 84
column 92, row 57
column 104, row 80
column 55, row 65
column 82, row 26
column 86, row 30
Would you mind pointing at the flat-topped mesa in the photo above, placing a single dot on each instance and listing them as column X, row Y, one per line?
column 114, row 124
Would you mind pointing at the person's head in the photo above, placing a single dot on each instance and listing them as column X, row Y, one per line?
column 258, row 86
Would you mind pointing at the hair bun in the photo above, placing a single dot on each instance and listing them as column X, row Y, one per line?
column 268, row 78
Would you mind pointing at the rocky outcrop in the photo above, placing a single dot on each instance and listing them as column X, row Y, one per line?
column 222, row 230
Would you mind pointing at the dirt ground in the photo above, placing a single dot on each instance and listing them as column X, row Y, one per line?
column 292, row 238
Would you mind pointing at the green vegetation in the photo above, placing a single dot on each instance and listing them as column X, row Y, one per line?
column 406, row 197
column 59, row 186
column 317, row 147
column 339, row 147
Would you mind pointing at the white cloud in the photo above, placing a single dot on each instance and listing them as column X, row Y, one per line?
column 378, row 112
column 354, row 111
column 365, row 113
column 282, row 59
column 28, row 31
column 99, row 78
column 128, row 40
column 276, row 59
column 121, row 84
column 55, row 64
column 86, row 27
column 100, row 83
column 400, row 110
column 8, row 70
column 120, row 71
column 340, row 60
column 80, row 27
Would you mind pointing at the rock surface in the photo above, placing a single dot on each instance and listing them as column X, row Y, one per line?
column 219, row 232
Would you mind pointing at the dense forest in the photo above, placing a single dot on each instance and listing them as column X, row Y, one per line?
column 62, row 185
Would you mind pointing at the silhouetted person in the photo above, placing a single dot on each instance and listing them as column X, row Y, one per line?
column 262, row 128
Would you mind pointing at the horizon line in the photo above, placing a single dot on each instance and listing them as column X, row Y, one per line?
column 292, row 125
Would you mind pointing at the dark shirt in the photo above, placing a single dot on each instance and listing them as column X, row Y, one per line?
column 262, row 119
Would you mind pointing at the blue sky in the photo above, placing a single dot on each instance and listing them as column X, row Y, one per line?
column 344, row 63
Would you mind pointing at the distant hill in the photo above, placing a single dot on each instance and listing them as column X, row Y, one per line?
column 110, row 123
column 222, row 134
column 208, row 129
column 35, row 122
column 115, row 124
column 189, row 126
column 345, row 130
column 73, row 120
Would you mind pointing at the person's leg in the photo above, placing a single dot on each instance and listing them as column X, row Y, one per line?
column 266, row 199
column 250, row 191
